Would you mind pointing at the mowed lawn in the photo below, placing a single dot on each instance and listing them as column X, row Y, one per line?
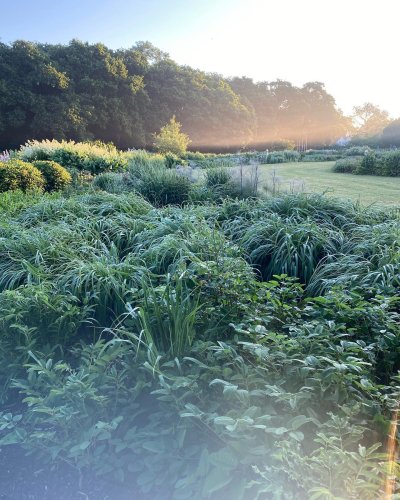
column 318, row 177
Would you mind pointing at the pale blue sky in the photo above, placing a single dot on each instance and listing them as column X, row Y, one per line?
column 350, row 45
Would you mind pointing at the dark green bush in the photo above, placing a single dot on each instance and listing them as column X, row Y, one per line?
column 371, row 163
column 391, row 134
column 347, row 165
column 297, row 379
column 291, row 155
column 368, row 165
column 56, row 177
column 17, row 174
column 276, row 157
column 391, row 163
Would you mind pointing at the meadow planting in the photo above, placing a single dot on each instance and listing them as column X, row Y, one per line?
column 170, row 330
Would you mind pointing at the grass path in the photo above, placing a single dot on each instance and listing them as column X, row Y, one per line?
column 319, row 177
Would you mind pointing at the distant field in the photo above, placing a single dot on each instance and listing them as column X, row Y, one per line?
column 318, row 177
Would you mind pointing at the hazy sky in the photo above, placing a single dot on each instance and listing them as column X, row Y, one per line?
column 350, row 45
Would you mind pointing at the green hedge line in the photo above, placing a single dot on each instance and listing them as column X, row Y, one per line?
column 372, row 163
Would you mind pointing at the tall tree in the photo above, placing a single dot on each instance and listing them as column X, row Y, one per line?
column 170, row 139
column 391, row 134
column 369, row 120
column 85, row 91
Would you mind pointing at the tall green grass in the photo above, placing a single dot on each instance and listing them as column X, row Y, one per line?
column 166, row 320
column 217, row 350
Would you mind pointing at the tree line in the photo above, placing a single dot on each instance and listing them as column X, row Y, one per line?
column 85, row 91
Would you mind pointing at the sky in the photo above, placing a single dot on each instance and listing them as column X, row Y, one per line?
column 349, row 45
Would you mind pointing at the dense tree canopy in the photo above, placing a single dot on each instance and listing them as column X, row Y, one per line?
column 391, row 134
column 284, row 111
column 369, row 120
column 82, row 91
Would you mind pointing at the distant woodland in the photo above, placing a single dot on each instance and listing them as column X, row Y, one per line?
column 85, row 92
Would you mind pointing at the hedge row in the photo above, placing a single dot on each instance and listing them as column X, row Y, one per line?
column 372, row 163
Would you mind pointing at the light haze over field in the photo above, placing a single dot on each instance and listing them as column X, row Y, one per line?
column 341, row 43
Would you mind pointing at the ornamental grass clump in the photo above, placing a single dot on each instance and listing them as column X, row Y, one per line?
column 162, row 186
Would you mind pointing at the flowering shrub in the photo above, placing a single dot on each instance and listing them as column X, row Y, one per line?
column 93, row 157
column 5, row 155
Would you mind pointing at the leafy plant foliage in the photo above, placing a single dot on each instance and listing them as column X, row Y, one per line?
column 83, row 91
column 19, row 175
column 248, row 348
column 170, row 138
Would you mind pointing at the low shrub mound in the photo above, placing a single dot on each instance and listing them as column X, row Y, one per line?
column 391, row 164
column 17, row 174
column 347, row 165
column 94, row 157
column 369, row 165
column 56, row 177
